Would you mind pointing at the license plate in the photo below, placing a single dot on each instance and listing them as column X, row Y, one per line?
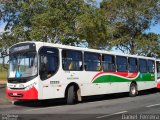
column 15, row 94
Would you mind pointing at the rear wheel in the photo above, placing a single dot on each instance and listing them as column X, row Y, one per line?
column 133, row 90
column 71, row 95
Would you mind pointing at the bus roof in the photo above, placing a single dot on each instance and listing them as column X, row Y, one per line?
column 40, row 44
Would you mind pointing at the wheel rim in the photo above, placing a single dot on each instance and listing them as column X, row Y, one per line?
column 133, row 90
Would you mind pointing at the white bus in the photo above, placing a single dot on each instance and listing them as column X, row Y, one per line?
column 39, row 70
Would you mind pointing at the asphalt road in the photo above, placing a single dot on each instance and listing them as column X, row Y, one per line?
column 108, row 107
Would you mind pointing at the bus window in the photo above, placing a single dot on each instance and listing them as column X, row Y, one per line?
column 121, row 64
column 108, row 63
column 72, row 60
column 143, row 65
column 151, row 67
column 158, row 69
column 132, row 64
column 92, row 61
column 49, row 62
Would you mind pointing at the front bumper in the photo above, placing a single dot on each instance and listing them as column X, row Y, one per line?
column 31, row 94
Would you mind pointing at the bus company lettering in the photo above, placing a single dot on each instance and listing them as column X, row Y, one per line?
column 72, row 77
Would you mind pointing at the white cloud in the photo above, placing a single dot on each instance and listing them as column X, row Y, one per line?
column 1, row 29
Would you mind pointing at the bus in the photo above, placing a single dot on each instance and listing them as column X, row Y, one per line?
column 158, row 73
column 39, row 71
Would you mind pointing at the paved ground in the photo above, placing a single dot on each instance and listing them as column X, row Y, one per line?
column 3, row 99
column 108, row 107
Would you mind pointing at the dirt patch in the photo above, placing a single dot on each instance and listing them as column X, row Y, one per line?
column 3, row 82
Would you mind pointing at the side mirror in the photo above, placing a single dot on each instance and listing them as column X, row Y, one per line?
column 43, row 63
column 43, row 69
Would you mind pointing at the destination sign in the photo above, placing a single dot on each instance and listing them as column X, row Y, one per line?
column 23, row 47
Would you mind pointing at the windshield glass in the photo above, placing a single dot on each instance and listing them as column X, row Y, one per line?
column 22, row 65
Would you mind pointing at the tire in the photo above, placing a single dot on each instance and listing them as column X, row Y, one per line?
column 133, row 90
column 71, row 96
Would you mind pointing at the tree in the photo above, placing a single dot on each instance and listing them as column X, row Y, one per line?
column 94, row 28
column 54, row 21
column 129, row 20
column 117, row 23
column 150, row 43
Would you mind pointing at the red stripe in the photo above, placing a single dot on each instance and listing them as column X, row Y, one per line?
column 31, row 94
column 123, row 74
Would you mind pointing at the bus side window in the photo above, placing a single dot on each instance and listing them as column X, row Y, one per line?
column 151, row 66
column 158, row 69
column 49, row 62
column 143, row 66
column 133, row 65
column 92, row 61
column 122, row 64
column 72, row 60
column 108, row 63
column 43, row 67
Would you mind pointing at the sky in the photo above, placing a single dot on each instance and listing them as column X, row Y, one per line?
column 1, row 26
column 155, row 29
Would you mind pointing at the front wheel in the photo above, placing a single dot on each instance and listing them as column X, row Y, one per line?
column 71, row 95
column 133, row 90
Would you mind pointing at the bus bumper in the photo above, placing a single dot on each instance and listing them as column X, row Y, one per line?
column 31, row 94
column 158, row 85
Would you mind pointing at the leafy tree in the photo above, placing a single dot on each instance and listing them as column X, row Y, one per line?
column 129, row 20
column 54, row 21
column 148, row 45
column 94, row 28
column 117, row 23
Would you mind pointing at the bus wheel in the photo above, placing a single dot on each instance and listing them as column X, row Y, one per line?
column 133, row 90
column 71, row 95
column 13, row 102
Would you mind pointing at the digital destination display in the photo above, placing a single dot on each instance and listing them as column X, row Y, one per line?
column 23, row 47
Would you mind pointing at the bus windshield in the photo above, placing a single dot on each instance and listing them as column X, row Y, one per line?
column 23, row 65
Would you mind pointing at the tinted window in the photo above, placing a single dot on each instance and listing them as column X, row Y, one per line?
column 151, row 66
column 49, row 62
column 143, row 65
column 158, row 66
column 92, row 61
column 121, row 64
column 72, row 60
column 158, row 69
column 108, row 63
column 132, row 64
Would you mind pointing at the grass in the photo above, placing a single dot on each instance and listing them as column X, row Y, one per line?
column 3, row 74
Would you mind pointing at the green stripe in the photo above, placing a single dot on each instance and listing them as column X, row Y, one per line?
column 112, row 78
